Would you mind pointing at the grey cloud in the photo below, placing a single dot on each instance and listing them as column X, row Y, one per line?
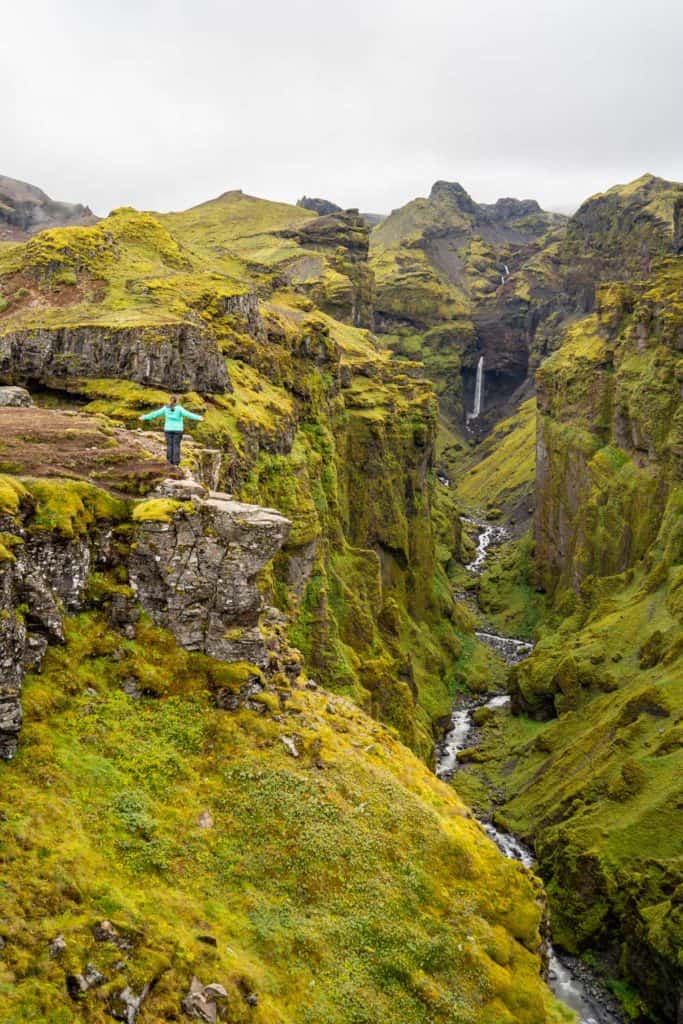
column 162, row 105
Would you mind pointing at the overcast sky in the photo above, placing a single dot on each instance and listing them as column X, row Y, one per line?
column 162, row 104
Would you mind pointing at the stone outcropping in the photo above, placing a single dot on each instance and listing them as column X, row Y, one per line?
column 44, row 577
column 197, row 574
column 174, row 356
column 344, row 237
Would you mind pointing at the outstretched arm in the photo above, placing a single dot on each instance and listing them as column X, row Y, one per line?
column 190, row 415
column 155, row 414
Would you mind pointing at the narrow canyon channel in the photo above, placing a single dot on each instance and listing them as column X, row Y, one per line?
column 571, row 981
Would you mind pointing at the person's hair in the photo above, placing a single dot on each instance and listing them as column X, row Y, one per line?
column 173, row 400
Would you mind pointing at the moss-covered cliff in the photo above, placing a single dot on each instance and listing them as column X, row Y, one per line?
column 591, row 768
column 309, row 415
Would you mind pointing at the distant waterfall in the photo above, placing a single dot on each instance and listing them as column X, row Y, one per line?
column 478, row 388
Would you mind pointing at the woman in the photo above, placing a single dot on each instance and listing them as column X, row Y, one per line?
column 173, row 426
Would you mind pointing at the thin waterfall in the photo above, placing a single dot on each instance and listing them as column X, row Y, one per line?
column 478, row 388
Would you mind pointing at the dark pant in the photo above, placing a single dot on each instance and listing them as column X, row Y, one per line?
column 173, row 439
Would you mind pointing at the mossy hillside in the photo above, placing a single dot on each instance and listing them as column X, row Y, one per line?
column 68, row 508
column 440, row 351
column 616, row 234
column 347, row 884
column 294, row 446
column 411, row 293
column 597, row 787
column 346, row 288
column 597, row 790
column 142, row 269
column 503, row 475
column 127, row 270
column 508, row 591
column 324, row 258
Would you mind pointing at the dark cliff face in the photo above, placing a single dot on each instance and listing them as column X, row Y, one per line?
column 25, row 209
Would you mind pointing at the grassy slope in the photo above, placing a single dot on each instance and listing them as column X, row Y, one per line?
column 347, row 886
column 504, row 473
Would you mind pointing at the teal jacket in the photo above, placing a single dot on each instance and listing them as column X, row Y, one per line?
column 174, row 416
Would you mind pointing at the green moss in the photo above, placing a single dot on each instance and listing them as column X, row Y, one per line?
column 12, row 492
column 117, row 790
column 8, row 541
column 158, row 510
column 504, row 472
column 71, row 507
column 508, row 590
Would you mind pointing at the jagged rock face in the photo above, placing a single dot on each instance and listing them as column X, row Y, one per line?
column 623, row 229
column 25, row 209
column 616, row 235
column 455, row 193
column 242, row 312
column 175, row 357
column 507, row 209
column 197, row 575
column 46, row 576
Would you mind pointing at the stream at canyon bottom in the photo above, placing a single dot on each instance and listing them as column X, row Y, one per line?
column 572, row 982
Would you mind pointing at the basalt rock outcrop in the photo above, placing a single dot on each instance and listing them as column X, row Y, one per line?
column 197, row 574
column 41, row 578
column 193, row 566
column 176, row 357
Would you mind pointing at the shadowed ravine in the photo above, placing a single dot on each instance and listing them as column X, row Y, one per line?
column 572, row 983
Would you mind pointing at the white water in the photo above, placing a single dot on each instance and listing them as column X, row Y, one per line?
column 510, row 649
column 478, row 388
column 488, row 534
column 478, row 393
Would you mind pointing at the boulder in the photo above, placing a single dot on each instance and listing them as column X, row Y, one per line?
column 200, row 1002
column 15, row 396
